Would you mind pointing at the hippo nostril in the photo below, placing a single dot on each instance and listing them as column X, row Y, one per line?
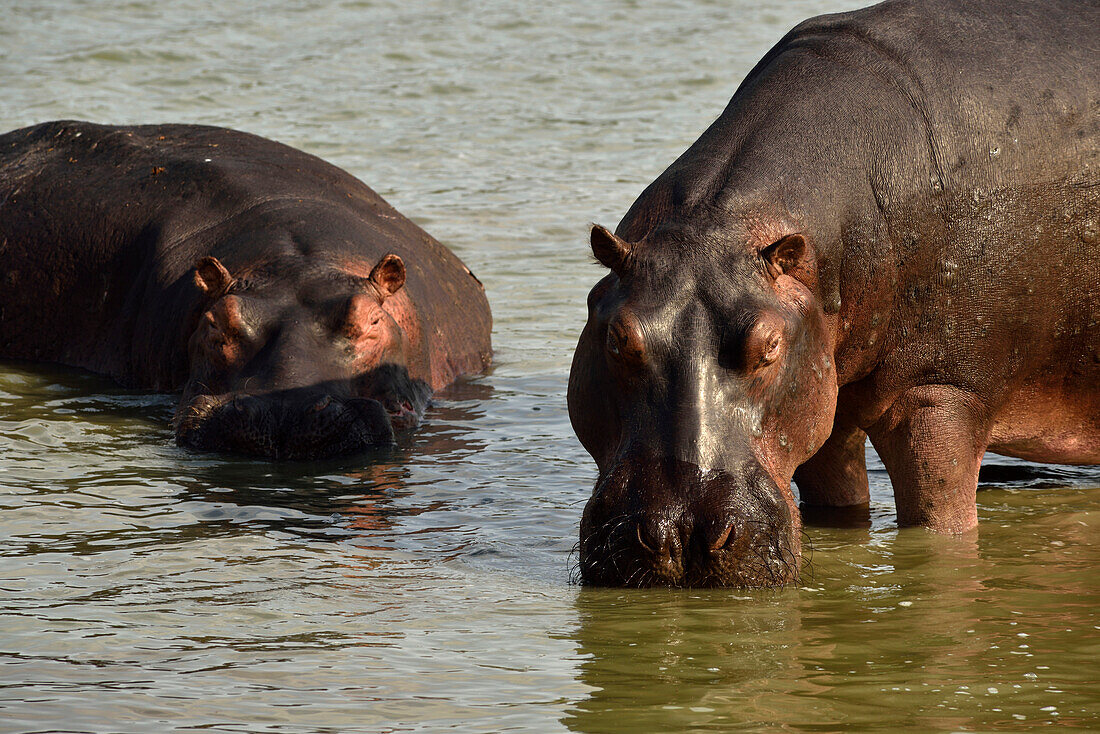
column 321, row 404
column 719, row 542
column 659, row 539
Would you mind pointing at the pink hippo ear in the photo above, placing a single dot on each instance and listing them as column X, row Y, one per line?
column 211, row 277
column 388, row 275
column 786, row 255
column 608, row 248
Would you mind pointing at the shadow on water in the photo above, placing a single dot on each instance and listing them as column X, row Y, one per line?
column 819, row 516
column 1037, row 476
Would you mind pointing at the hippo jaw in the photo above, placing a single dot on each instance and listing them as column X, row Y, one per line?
column 662, row 522
column 308, row 423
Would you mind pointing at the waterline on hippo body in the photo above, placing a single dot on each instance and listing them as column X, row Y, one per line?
column 319, row 421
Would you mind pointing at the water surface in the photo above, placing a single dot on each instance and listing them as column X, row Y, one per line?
column 148, row 589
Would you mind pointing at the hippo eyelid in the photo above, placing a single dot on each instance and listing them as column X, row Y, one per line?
column 771, row 350
column 626, row 339
column 245, row 331
column 612, row 343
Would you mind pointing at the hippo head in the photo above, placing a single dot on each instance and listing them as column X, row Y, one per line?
column 299, row 360
column 702, row 379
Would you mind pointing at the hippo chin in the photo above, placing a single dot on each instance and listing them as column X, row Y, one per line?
column 884, row 235
column 300, row 315
column 315, row 422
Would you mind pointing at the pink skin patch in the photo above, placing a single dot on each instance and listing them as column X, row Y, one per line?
column 403, row 313
column 223, row 332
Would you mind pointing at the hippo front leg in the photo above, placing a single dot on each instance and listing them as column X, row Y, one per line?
column 836, row 476
column 932, row 440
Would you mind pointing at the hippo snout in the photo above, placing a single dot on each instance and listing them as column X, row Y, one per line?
column 700, row 529
column 288, row 425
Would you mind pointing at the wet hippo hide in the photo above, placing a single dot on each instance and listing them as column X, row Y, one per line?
column 299, row 313
column 891, row 231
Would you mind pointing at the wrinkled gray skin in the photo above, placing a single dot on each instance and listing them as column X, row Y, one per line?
column 891, row 231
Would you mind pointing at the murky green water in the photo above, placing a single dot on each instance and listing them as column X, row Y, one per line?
column 147, row 589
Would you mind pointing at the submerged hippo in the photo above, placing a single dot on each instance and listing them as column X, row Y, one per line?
column 299, row 313
column 891, row 231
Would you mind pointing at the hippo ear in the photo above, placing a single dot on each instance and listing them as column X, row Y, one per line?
column 211, row 277
column 609, row 249
column 785, row 255
column 388, row 275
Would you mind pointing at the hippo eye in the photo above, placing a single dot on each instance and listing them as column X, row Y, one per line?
column 771, row 348
column 224, row 337
column 613, row 343
column 764, row 344
column 624, row 340
column 361, row 316
column 754, row 344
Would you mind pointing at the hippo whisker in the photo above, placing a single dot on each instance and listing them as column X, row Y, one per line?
column 638, row 571
column 807, row 565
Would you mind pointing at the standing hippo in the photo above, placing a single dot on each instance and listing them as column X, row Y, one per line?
column 891, row 231
column 299, row 313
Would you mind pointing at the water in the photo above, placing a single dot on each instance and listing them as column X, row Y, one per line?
column 147, row 589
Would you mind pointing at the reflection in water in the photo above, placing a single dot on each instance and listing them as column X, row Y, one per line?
column 1030, row 475
column 909, row 621
column 336, row 499
column 821, row 516
column 672, row 660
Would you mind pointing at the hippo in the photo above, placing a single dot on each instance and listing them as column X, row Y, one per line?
column 890, row 232
column 299, row 315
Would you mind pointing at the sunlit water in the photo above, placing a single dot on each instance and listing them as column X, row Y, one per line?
column 147, row 589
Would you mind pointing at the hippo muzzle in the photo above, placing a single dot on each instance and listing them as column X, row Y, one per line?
column 315, row 422
column 312, row 425
column 663, row 522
